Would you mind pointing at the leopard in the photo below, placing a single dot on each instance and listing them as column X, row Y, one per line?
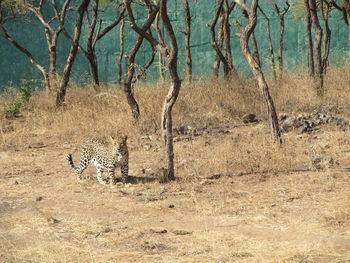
column 104, row 154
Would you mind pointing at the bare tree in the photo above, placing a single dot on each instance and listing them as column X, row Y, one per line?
column 187, row 33
column 129, row 80
column 270, row 42
column 244, row 35
column 309, row 42
column 281, row 15
column 171, row 53
column 51, row 29
column 94, row 34
column 121, row 51
column 61, row 92
column 160, row 54
column 223, row 12
column 318, row 77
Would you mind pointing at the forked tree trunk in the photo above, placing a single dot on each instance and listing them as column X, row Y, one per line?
column 281, row 15
column 213, row 41
column 128, row 82
column 220, row 43
column 61, row 93
column 171, row 54
column 318, row 77
column 309, row 42
column 188, row 41
column 245, row 33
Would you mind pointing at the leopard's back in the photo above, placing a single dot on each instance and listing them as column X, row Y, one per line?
column 104, row 154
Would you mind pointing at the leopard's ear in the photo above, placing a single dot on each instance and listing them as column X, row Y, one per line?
column 111, row 139
column 125, row 138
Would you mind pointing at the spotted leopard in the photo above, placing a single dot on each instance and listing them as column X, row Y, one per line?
column 104, row 154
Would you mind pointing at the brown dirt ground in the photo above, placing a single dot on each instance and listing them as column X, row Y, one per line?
column 281, row 217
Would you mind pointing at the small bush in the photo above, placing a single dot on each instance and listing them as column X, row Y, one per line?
column 25, row 92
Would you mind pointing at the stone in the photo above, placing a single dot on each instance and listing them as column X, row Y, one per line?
column 321, row 162
column 249, row 118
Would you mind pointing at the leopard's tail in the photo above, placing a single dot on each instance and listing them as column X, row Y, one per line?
column 70, row 161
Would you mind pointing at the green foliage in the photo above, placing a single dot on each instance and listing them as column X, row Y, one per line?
column 25, row 92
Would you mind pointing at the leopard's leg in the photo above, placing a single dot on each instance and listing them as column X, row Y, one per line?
column 125, row 170
column 99, row 174
column 111, row 171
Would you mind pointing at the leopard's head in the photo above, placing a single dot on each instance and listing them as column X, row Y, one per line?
column 120, row 142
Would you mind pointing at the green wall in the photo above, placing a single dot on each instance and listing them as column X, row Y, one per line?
column 15, row 66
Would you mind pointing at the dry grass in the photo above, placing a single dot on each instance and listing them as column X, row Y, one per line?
column 237, row 198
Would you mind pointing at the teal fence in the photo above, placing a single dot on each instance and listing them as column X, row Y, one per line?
column 15, row 66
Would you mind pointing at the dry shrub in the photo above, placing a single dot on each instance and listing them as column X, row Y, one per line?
column 202, row 104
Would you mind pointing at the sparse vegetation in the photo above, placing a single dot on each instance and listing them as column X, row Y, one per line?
column 236, row 197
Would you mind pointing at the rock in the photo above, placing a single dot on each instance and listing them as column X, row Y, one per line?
column 321, row 162
column 287, row 123
column 182, row 232
column 38, row 198
column 171, row 206
column 158, row 230
column 185, row 129
column 249, row 118
column 15, row 182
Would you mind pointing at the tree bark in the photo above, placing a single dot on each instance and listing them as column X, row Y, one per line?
column 61, row 93
column 128, row 82
column 171, row 53
column 245, row 33
column 160, row 54
column 281, row 37
column 188, row 41
column 325, row 9
column 270, row 43
column 213, row 41
column 318, row 77
column 121, row 51
column 309, row 42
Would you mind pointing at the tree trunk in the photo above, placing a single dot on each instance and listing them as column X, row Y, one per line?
column 245, row 33
column 270, row 43
column 325, row 9
column 213, row 41
column 160, row 54
column 128, row 82
column 188, row 41
column 346, row 13
column 309, row 42
column 220, row 43
column 61, row 93
column 121, row 51
column 318, row 77
column 166, row 120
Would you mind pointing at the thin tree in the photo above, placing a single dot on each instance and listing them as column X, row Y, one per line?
column 130, row 80
column 281, row 15
column 244, row 35
column 309, row 41
column 187, row 33
column 318, row 76
column 61, row 93
column 171, row 54
column 94, row 34
column 52, row 31
column 270, row 42
column 121, row 51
